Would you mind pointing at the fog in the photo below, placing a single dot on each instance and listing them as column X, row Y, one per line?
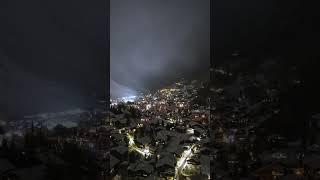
column 155, row 42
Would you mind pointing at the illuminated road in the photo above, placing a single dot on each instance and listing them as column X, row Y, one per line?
column 182, row 162
column 133, row 146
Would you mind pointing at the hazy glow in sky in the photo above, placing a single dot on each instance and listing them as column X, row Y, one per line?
column 153, row 42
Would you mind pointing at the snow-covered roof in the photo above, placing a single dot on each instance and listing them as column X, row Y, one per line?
column 200, row 130
column 120, row 149
column 113, row 161
column 166, row 160
column 174, row 143
column 141, row 166
column 162, row 135
column 144, row 140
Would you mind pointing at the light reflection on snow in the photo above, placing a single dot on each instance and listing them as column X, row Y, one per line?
column 145, row 152
column 182, row 162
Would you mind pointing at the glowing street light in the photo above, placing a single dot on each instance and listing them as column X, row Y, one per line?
column 190, row 131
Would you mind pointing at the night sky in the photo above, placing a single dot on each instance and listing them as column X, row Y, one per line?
column 264, row 28
column 53, row 53
column 154, row 42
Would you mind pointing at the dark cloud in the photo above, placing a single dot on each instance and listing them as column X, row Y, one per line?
column 55, row 51
column 263, row 27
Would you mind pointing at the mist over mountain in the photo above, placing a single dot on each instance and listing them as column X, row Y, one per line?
column 154, row 43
